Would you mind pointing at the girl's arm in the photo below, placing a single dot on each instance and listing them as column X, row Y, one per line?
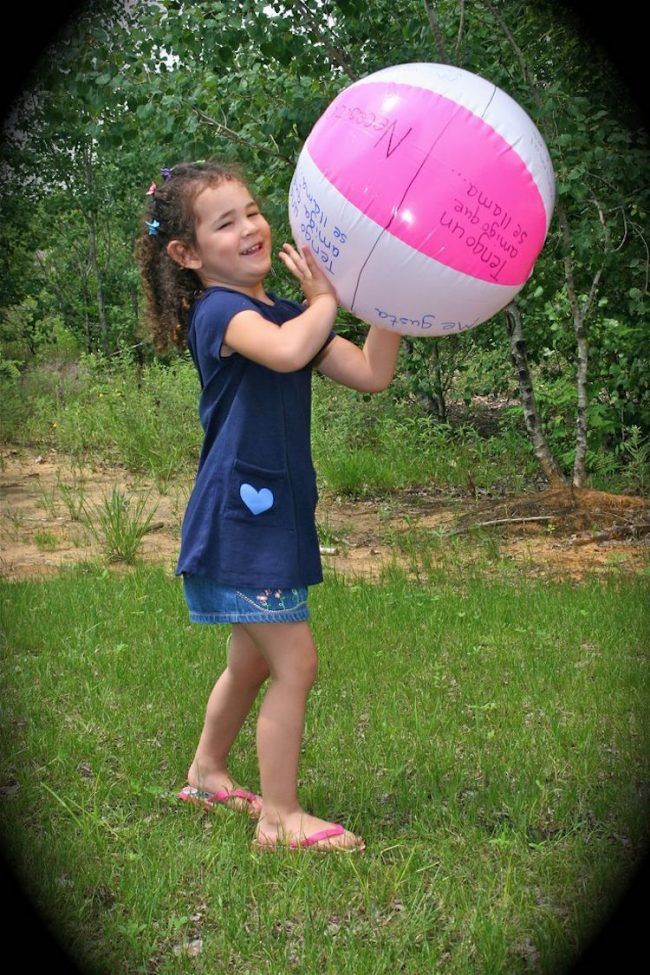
column 369, row 369
column 297, row 341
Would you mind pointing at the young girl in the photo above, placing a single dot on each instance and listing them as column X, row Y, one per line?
column 249, row 549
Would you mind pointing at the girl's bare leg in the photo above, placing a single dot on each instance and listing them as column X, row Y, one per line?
column 289, row 651
column 228, row 705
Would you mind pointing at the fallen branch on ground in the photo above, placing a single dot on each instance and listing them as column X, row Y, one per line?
column 619, row 531
column 502, row 521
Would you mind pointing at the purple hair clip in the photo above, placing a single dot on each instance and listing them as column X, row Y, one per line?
column 153, row 227
column 166, row 173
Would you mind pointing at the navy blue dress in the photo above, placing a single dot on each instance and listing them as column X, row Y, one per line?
column 250, row 520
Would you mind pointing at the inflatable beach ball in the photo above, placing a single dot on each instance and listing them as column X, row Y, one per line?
column 427, row 193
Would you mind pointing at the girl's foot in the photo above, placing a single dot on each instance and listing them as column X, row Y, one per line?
column 219, row 788
column 299, row 830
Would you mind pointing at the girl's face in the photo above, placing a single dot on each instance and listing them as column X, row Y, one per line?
column 233, row 240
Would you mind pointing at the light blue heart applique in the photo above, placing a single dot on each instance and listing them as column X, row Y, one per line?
column 256, row 501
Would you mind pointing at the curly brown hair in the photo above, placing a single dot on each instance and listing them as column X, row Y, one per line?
column 170, row 290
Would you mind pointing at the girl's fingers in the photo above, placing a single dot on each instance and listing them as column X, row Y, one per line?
column 287, row 258
column 291, row 252
column 298, row 264
column 304, row 266
column 292, row 267
column 309, row 258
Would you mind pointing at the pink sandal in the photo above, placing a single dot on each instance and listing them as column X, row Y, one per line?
column 312, row 840
column 222, row 797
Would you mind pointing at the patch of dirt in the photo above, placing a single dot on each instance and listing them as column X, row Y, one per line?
column 40, row 498
column 565, row 533
column 552, row 532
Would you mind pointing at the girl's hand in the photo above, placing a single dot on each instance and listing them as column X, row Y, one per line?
column 306, row 269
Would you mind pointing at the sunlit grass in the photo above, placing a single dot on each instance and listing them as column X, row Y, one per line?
column 486, row 736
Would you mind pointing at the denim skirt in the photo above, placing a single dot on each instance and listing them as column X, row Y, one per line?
column 210, row 602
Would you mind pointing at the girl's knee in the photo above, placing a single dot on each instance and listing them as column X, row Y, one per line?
column 307, row 668
column 288, row 649
column 252, row 671
column 299, row 668
column 254, row 674
column 245, row 662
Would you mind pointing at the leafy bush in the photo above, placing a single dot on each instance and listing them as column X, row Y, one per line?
column 365, row 445
column 144, row 417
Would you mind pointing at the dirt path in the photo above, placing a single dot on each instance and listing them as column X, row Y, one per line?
column 548, row 532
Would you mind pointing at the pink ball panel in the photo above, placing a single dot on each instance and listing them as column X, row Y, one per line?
column 434, row 175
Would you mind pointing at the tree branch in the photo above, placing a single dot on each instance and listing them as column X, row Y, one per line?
column 563, row 221
column 502, row 521
column 233, row 136
column 523, row 64
column 618, row 531
column 461, row 25
column 597, row 276
column 637, row 230
column 435, row 30
column 580, row 312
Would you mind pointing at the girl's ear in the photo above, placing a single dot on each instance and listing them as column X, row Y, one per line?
column 181, row 253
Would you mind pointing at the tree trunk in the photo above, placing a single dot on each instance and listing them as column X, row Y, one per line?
column 579, row 463
column 436, row 31
column 437, row 387
column 580, row 309
column 531, row 414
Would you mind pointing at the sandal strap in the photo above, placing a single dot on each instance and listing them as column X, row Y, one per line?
column 224, row 794
column 323, row 834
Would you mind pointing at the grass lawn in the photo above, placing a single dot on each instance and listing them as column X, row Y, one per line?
column 486, row 735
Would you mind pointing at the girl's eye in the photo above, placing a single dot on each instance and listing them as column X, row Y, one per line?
column 230, row 223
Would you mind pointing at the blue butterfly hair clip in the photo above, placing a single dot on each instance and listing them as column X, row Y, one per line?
column 153, row 227
column 166, row 173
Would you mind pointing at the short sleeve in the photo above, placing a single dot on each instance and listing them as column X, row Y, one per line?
column 210, row 319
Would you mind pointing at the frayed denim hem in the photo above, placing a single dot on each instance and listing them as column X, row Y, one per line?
column 284, row 616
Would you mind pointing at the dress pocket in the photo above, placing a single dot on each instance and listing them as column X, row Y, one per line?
column 260, row 496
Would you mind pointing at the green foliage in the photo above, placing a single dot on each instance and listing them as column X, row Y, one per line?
column 129, row 90
column 144, row 417
column 636, row 458
column 371, row 445
column 30, row 330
